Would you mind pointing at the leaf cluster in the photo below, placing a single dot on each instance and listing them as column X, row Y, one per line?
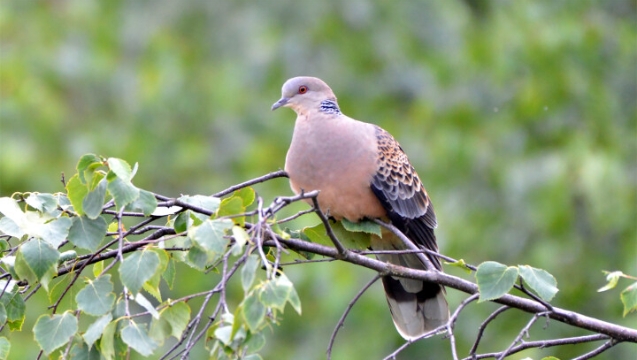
column 49, row 241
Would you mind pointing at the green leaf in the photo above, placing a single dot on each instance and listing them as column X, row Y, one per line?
column 241, row 237
column 146, row 304
column 97, row 297
column 3, row 314
column 98, row 267
column 22, row 269
column 14, row 306
column 59, row 285
column 107, row 345
column 94, row 200
column 253, row 312
column 9, row 227
column 198, row 258
column 543, row 283
column 275, row 293
column 365, row 226
column 351, row 240
column 15, row 221
column 172, row 321
column 53, row 331
column 629, row 299
column 248, row 271
column 56, row 231
column 232, row 206
column 612, row 278
column 224, row 334
column 358, row 238
column 120, row 168
column 182, row 222
column 210, row 235
column 181, row 242
column 460, row 264
column 178, row 316
column 246, row 194
column 137, row 268
column 255, row 342
column 317, row 234
column 87, row 162
column 63, row 201
column 76, row 191
column 146, row 202
column 170, row 273
column 495, row 279
column 295, row 301
column 44, row 202
column 87, row 233
column 5, row 346
column 152, row 285
column 135, row 336
column 210, row 203
column 40, row 257
column 96, row 329
column 81, row 351
column 123, row 192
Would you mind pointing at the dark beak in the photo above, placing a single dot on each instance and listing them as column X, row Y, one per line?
column 280, row 103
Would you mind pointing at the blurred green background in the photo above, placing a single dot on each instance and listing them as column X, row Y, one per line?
column 520, row 117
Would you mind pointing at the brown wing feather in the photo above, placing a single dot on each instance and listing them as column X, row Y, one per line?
column 416, row 307
column 399, row 189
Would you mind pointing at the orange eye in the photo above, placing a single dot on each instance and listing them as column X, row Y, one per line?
column 302, row 89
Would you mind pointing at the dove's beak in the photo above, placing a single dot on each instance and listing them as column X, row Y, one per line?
column 280, row 103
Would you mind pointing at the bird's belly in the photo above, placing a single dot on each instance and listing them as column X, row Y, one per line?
column 344, row 185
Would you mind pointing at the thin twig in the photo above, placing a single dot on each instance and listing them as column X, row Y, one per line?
column 589, row 355
column 341, row 321
column 208, row 294
column 522, row 288
column 522, row 333
column 483, row 326
column 342, row 251
column 300, row 262
column 541, row 344
column 260, row 179
column 258, row 237
column 428, row 334
column 408, row 243
column 452, row 322
column 297, row 215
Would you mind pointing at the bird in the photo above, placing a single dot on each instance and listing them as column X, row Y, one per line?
column 361, row 173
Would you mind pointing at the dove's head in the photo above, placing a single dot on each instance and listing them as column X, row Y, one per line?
column 304, row 93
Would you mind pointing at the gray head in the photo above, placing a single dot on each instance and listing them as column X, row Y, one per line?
column 304, row 93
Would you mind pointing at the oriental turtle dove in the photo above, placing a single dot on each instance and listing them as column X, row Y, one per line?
column 363, row 173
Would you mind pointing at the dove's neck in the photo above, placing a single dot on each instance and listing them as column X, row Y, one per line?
column 329, row 107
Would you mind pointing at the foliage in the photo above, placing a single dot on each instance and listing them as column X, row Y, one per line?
column 628, row 295
column 495, row 279
column 37, row 228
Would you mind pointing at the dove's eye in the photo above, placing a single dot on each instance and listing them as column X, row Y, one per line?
column 302, row 89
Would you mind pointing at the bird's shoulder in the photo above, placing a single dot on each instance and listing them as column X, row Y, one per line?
column 396, row 182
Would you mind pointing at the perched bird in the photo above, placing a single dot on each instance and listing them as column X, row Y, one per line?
column 363, row 173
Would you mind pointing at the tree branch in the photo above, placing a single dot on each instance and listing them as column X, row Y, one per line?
column 618, row 332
